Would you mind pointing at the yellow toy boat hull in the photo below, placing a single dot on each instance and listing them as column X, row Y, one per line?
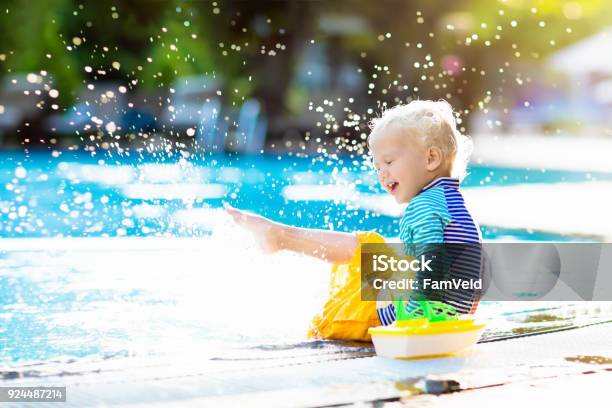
column 395, row 343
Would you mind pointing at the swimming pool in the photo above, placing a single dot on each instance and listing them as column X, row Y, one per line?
column 76, row 195
column 127, row 258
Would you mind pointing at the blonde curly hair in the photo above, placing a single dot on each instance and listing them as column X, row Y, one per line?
column 434, row 122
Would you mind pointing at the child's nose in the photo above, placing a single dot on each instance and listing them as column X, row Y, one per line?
column 382, row 176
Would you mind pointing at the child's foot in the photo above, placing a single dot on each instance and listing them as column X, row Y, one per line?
column 264, row 230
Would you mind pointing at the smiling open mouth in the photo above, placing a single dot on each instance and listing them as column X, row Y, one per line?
column 392, row 187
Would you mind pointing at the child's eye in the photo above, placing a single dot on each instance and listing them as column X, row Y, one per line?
column 389, row 161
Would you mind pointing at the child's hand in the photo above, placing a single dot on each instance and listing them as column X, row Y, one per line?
column 265, row 231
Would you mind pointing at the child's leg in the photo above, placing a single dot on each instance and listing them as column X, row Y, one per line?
column 331, row 246
column 272, row 236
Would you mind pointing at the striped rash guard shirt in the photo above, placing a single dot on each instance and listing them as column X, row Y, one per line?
column 437, row 215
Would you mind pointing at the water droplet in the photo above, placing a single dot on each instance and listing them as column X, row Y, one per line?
column 111, row 127
column 34, row 79
column 20, row 172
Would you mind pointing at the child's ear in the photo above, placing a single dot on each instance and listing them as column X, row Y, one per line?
column 434, row 158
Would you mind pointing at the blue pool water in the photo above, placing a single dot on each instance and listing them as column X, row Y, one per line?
column 77, row 195
column 133, row 257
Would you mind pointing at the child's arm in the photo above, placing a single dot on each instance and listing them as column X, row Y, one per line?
column 272, row 236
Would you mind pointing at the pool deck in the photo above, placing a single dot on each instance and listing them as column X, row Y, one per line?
column 539, row 367
column 571, row 153
column 581, row 209
column 564, row 208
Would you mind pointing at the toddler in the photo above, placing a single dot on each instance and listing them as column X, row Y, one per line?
column 420, row 157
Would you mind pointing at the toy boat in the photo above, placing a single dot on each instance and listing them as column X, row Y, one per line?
column 432, row 330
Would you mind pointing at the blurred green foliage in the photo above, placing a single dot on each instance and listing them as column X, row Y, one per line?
column 150, row 43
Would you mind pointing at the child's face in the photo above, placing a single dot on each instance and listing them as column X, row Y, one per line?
column 401, row 163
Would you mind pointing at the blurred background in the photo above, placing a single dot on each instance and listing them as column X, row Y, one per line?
column 125, row 125
column 134, row 111
column 71, row 70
